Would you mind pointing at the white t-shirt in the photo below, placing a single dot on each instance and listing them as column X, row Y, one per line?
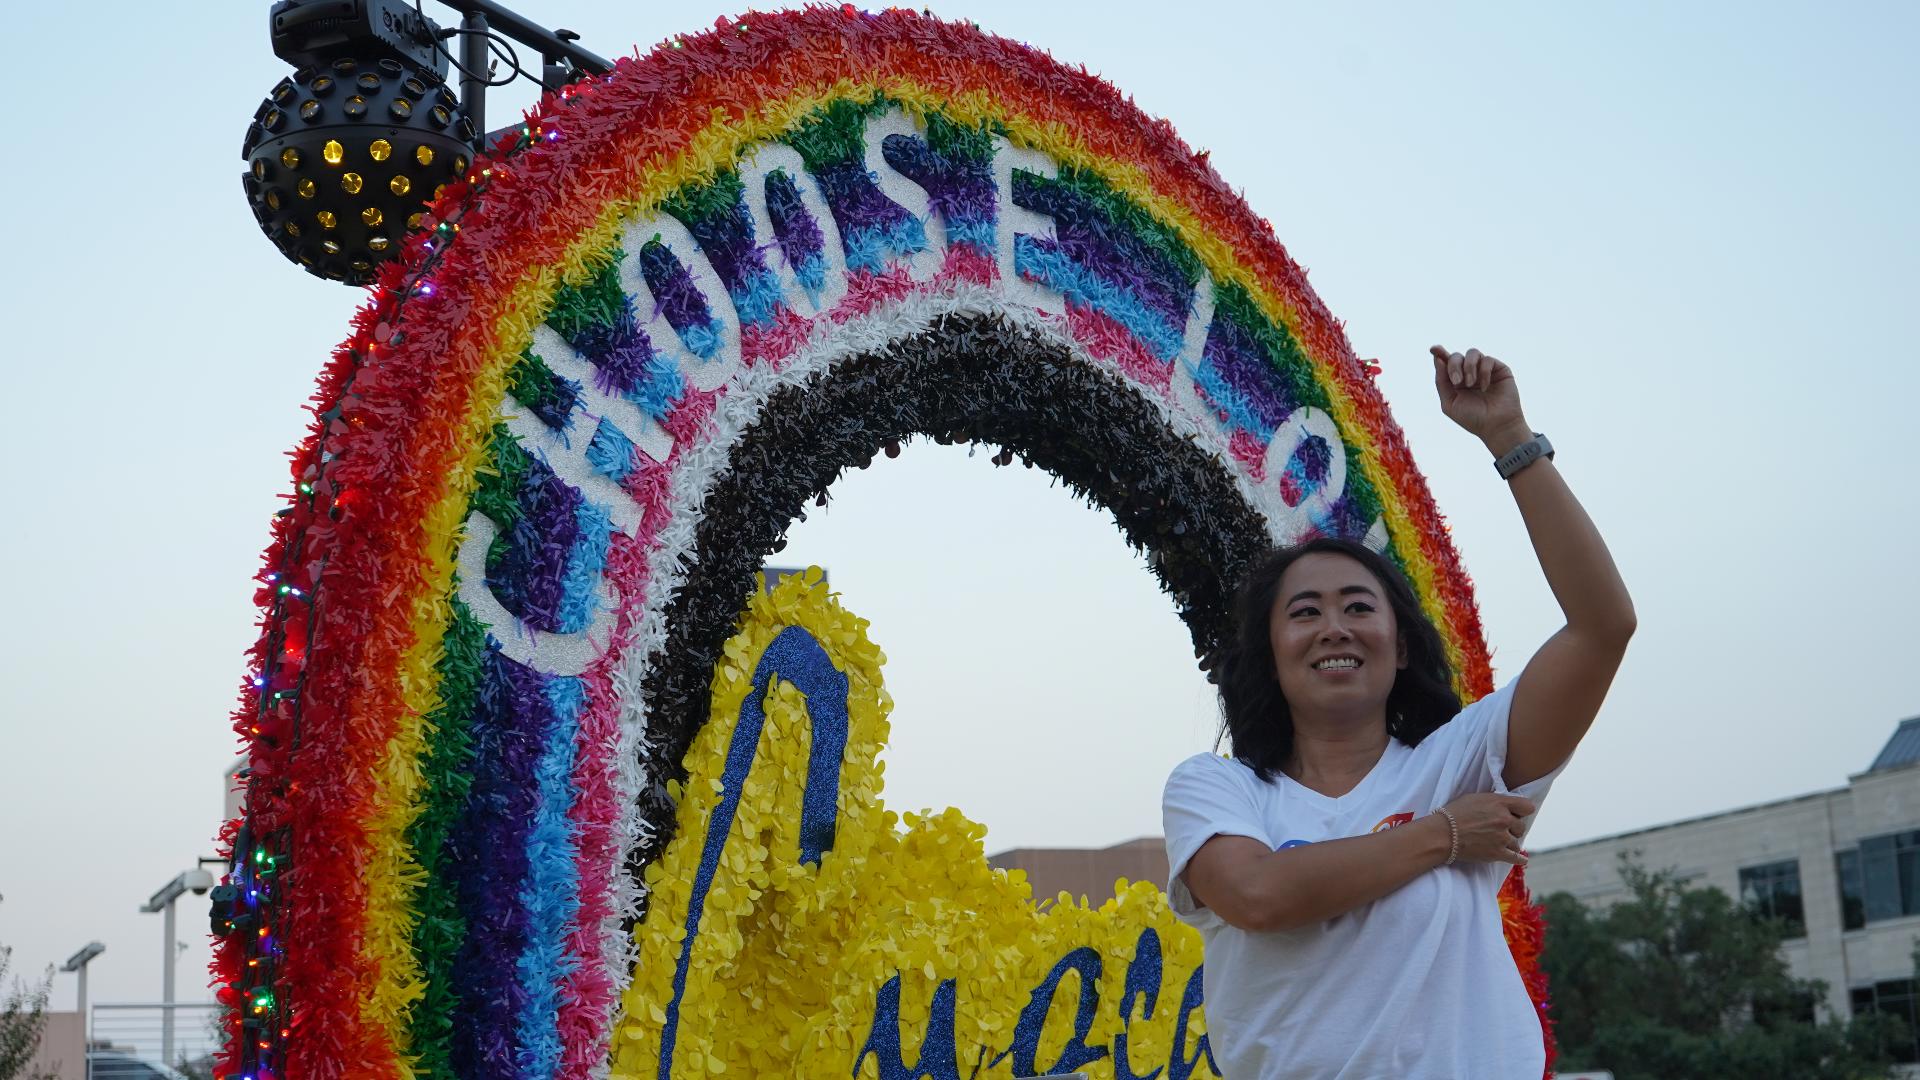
column 1417, row 984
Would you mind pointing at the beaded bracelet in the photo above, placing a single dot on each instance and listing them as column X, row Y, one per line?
column 1453, row 836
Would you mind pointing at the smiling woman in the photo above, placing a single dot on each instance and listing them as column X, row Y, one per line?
column 1348, row 583
column 1344, row 864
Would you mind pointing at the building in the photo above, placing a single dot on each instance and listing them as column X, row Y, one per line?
column 1087, row 872
column 1842, row 867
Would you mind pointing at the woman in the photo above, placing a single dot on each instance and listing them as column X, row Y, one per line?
column 1343, row 866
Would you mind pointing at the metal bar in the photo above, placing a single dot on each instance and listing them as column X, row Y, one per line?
column 530, row 34
column 473, row 74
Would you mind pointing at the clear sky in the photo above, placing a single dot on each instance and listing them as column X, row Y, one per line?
column 1690, row 228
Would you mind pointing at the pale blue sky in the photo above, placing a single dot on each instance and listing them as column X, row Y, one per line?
column 1689, row 228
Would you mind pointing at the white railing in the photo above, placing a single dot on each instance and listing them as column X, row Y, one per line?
column 132, row 1040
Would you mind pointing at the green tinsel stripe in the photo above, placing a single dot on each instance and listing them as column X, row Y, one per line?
column 438, row 934
column 835, row 133
column 955, row 140
column 533, row 384
column 501, row 478
column 594, row 307
column 704, row 200
column 1283, row 352
column 1360, row 493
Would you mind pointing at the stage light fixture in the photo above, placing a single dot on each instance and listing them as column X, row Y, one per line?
column 344, row 156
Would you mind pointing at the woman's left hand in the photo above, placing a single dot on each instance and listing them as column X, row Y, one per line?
column 1478, row 393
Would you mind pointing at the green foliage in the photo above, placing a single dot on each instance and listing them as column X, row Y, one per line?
column 1683, row 983
column 23, row 1015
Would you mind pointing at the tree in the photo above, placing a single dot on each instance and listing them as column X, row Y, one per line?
column 1683, row 983
column 23, row 1015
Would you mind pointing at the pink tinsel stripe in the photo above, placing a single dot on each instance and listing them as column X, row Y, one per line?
column 1107, row 340
column 1250, row 452
column 589, row 996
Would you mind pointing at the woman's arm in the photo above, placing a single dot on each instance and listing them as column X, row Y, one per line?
column 1562, row 687
column 1254, row 887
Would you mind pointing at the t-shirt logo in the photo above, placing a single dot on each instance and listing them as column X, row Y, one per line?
column 1393, row 821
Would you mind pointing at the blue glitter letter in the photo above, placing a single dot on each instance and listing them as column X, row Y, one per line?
column 1179, row 1066
column 938, row 1059
column 1084, row 961
column 1143, row 980
column 798, row 658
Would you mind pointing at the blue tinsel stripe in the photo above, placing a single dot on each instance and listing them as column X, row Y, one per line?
column 1043, row 261
column 611, row 453
column 580, row 581
column 550, row 895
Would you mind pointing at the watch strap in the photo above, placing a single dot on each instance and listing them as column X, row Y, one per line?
column 1518, row 458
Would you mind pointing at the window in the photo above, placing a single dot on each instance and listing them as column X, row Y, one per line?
column 1897, row 999
column 1796, row 1009
column 1773, row 892
column 1853, row 896
column 1890, row 875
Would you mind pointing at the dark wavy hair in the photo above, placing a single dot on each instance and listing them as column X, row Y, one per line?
column 1257, row 719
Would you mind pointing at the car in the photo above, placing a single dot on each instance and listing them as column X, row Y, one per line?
column 124, row 1065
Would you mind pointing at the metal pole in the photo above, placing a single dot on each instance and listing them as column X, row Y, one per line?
column 86, row 1026
column 77, row 963
column 473, row 79
column 166, row 995
column 558, row 43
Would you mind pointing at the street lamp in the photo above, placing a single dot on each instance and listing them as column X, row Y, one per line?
column 77, row 963
column 199, row 881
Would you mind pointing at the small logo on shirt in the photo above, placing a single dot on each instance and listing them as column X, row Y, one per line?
column 1293, row 843
column 1393, row 821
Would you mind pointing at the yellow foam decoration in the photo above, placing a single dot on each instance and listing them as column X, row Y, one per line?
column 790, row 958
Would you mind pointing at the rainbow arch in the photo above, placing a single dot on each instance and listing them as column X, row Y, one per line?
column 539, row 475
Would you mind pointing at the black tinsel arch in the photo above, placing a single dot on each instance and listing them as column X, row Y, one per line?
column 965, row 379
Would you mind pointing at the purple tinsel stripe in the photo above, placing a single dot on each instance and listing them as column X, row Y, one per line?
column 727, row 239
column 620, row 353
column 529, row 577
column 795, row 228
column 860, row 208
column 680, row 300
column 487, row 861
column 1241, row 363
column 1110, row 250
column 1344, row 519
column 960, row 191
